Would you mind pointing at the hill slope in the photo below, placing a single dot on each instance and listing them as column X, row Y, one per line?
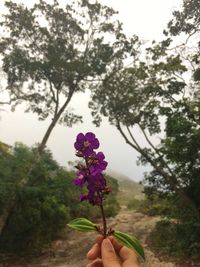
column 128, row 189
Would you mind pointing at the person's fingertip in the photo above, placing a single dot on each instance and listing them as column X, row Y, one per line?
column 107, row 244
column 128, row 254
column 93, row 252
column 99, row 239
column 111, row 238
column 109, row 256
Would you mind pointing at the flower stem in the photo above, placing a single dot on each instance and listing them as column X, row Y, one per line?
column 101, row 207
column 104, row 222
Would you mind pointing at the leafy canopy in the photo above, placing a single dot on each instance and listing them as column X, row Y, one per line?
column 51, row 52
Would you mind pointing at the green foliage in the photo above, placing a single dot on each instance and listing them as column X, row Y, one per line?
column 130, row 242
column 49, row 53
column 45, row 204
column 136, row 204
column 153, row 94
column 180, row 240
column 40, row 209
column 185, row 20
column 157, row 205
column 82, row 224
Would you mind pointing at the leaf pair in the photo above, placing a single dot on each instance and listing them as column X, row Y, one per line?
column 84, row 225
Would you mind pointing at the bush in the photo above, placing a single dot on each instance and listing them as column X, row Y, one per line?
column 136, row 204
column 40, row 209
column 46, row 202
column 158, row 205
column 148, row 207
column 180, row 240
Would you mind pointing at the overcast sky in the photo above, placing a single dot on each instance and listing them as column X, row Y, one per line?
column 145, row 18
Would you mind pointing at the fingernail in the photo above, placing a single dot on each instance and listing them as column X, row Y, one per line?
column 107, row 244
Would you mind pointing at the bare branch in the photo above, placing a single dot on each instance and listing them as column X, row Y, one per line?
column 132, row 137
column 6, row 103
column 163, row 162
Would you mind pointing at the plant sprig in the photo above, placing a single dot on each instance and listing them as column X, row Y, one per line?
column 90, row 173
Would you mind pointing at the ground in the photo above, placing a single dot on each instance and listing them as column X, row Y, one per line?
column 70, row 250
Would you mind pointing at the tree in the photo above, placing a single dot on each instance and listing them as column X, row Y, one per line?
column 153, row 96
column 185, row 20
column 50, row 53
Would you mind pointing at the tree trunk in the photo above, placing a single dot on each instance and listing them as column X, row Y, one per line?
column 53, row 123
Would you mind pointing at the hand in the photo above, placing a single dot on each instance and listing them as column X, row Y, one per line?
column 109, row 253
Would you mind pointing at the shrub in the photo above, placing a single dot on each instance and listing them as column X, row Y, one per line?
column 176, row 239
column 41, row 208
column 136, row 204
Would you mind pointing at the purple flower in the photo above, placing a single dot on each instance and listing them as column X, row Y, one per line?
column 80, row 178
column 95, row 199
column 96, row 183
column 98, row 164
column 84, row 197
column 90, row 173
column 86, row 143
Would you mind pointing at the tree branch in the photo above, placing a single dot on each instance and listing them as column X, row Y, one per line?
column 52, row 91
column 6, row 103
column 169, row 179
column 157, row 151
column 55, row 119
column 132, row 137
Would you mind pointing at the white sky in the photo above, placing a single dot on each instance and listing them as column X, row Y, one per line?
column 145, row 18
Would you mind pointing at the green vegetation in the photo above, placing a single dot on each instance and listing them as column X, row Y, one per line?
column 50, row 53
column 43, row 206
column 154, row 205
column 176, row 239
column 158, row 92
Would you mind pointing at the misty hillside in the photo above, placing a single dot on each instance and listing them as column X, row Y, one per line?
column 128, row 189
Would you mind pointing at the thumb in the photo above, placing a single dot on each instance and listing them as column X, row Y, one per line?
column 108, row 254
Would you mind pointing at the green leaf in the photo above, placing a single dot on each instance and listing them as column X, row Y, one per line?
column 130, row 242
column 83, row 225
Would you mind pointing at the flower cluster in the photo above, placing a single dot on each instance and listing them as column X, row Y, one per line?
column 90, row 173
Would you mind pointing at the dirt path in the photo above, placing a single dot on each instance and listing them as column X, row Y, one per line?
column 71, row 251
column 79, row 243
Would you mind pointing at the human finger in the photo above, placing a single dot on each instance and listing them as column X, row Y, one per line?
column 99, row 239
column 128, row 257
column 94, row 252
column 96, row 263
column 109, row 256
column 117, row 246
